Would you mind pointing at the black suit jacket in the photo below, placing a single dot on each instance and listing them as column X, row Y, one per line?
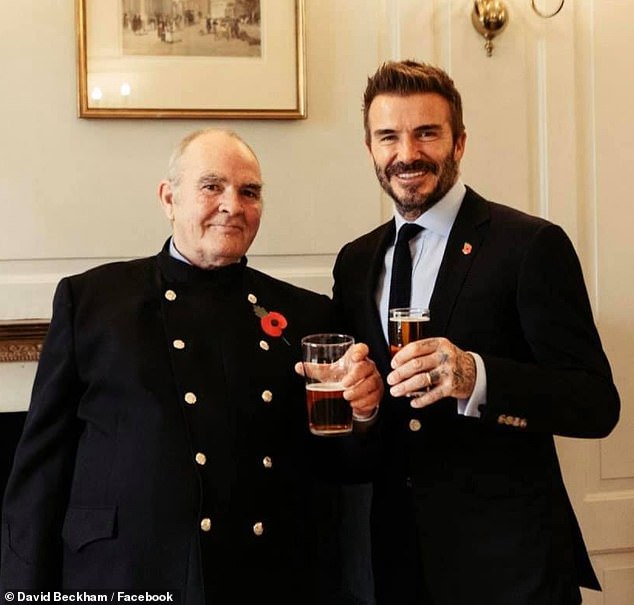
column 477, row 507
column 147, row 364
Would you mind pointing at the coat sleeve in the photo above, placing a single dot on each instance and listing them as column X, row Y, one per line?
column 567, row 389
column 38, row 488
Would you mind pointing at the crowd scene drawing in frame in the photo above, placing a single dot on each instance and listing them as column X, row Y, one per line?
column 215, row 28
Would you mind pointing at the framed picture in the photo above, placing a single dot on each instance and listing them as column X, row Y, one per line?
column 191, row 59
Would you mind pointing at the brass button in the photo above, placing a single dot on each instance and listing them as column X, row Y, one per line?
column 190, row 398
column 170, row 295
column 414, row 425
column 264, row 345
column 502, row 419
column 267, row 462
column 200, row 458
column 205, row 524
column 258, row 528
column 179, row 344
column 267, row 396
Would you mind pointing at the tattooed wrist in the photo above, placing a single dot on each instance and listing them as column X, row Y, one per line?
column 465, row 374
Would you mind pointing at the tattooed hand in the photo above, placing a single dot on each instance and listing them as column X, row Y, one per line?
column 435, row 364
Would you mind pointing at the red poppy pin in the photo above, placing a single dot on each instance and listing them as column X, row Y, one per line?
column 466, row 248
column 272, row 322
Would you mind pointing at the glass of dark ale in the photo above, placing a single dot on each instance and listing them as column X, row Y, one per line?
column 406, row 325
column 325, row 364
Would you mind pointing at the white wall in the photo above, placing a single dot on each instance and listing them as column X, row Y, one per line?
column 75, row 191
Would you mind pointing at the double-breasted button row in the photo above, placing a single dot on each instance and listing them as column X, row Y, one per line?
column 191, row 398
column 252, row 298
column 179, row 344
column 516, row 421
column 257, row 529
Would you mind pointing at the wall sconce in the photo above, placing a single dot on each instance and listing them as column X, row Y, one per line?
column 490, row 17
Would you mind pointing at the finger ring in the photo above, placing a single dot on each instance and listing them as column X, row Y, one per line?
column 430, row 381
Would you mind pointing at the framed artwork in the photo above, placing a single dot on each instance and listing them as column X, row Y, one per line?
column 191, row 59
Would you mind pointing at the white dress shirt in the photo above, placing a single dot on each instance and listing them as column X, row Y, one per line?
column 174, row 253
column 428, row 248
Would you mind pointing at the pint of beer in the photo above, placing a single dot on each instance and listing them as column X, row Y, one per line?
column 324, row 360
column 406, row 325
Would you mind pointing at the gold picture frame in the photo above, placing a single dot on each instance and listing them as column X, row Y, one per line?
column 123, row 73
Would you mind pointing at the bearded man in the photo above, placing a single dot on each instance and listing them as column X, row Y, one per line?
column 469, row 505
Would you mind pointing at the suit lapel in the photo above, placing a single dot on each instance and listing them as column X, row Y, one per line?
column 463, row 245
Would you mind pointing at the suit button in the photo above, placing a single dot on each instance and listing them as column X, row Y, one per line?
column 408, row 482
column 170, row 295
column 264, row 345
column 190, row 398
column 267, row 396
column 502, row 419
column 523, row 423
column 414, row 425
column 258, row 528
column 179, row 344
column 252, row 298
column 267, row 462
column 200, row 458
column 205, row 524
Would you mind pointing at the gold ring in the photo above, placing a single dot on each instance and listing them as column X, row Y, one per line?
column 430, row 381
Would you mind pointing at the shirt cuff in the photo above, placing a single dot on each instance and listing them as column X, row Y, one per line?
column 372, row 416
column 471, row 407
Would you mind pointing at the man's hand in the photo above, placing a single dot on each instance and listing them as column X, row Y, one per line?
column 435, row 364
column 362, row 381
column 364, row 386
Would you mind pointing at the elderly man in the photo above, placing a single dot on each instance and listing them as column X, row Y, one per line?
column 166, row 448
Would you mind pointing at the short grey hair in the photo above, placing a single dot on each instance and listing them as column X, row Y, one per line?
column 173, row 165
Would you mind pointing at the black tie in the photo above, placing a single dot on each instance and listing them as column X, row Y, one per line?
column 401, row 282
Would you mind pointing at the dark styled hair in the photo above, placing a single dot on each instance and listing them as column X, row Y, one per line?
column 404, row 78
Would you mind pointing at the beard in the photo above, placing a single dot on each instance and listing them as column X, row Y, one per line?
column 412, row 203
